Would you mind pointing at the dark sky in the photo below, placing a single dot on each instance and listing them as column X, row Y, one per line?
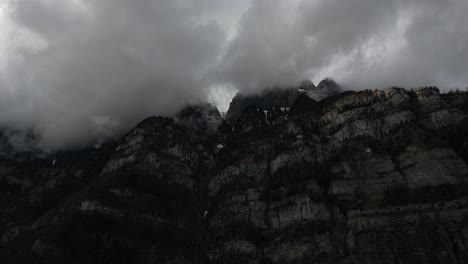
column 77, row 70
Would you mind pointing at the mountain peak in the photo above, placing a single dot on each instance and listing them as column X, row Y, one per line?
column 307, row 85
column 328, row 84
column 281, row 97
column 200, row 117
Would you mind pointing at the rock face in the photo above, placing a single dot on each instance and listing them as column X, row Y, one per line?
column 32, row 185
column 282, row 98
column 358, row 177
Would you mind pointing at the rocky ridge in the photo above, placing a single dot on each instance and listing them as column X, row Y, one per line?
column 281, row 98
column 357, row 177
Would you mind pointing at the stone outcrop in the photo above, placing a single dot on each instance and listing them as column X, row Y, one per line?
column 357, row 177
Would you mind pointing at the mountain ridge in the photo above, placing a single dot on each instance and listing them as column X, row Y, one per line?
column 282, row 97
column 358, row 177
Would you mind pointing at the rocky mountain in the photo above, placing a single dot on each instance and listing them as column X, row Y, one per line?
column 279, row 97
column 357, row 177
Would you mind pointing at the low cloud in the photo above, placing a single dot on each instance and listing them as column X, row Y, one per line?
column 80, row 71
column 362, row 43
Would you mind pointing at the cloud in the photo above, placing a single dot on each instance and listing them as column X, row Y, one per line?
column 363, row 43
column 78, row 71
column 104, row 60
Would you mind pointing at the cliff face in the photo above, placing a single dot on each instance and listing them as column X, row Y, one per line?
column 358, row 177
column 282, row 98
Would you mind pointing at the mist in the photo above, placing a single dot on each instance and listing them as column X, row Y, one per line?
column 79, row 72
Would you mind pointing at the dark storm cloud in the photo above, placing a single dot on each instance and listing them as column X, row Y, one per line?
column 107, row 63
column 363, row 43
column 78, row 70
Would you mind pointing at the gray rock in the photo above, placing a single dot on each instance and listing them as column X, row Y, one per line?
column 358, row 177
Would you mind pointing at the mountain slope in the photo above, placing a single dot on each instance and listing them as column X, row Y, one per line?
column 358, row 177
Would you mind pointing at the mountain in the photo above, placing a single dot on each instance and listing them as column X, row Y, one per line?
column 356, row 177
column 280, row 97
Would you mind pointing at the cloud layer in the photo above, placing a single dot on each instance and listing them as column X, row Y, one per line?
column 78, row 71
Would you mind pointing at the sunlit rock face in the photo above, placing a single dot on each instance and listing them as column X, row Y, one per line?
column 356, row 177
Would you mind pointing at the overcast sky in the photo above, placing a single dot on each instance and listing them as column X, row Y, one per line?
column 77, row 70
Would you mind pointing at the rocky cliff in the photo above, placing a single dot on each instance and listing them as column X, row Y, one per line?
column 281, row 98
column 357, row 177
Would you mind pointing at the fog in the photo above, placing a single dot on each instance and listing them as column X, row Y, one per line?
column 79, row 72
